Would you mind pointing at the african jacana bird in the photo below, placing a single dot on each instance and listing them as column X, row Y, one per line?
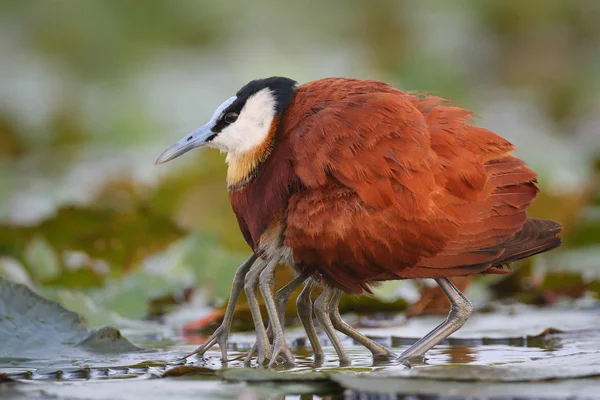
column 353, row 182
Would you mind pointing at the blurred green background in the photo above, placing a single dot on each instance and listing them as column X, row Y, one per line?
column 93, row 91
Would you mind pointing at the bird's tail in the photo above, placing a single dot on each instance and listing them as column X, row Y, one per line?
column 537, row 236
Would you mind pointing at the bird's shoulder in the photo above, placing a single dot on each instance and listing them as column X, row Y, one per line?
column 364, row 135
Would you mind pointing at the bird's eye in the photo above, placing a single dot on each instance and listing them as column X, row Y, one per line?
column 231, row 117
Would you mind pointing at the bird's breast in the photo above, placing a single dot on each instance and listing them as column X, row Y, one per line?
column 260, row 203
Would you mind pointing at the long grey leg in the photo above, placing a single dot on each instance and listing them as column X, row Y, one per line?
column 251, row 288
column 282, row 297
column 322, row 313
column 378, row 350
column 460, row 311
column 305, row 309
column 221, row 334
column 267, row 286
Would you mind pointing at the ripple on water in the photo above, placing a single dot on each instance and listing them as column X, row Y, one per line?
column 453, row 352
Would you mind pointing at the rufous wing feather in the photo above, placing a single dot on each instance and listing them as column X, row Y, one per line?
column 394, row 185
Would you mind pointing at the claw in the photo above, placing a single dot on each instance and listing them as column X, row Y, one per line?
column 249, row 355
column 215, row 338
column 280, row 349
column 264, row 355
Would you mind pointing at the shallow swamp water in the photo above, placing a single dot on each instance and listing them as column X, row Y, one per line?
column 512, row 352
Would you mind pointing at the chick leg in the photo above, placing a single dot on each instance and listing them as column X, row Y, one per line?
column 322, row 313
column 221, row 335
column 267, row 285
column 282, row 297
column 251, row 288
column 376, row 349
column 305, row 310
column 460, row 310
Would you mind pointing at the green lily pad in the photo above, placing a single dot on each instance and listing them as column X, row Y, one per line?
column 259, row 375
column 583, row 365
column 159, row 389
column 365, row 386
column 285, row 381
column 34, row 327
column 535, row 378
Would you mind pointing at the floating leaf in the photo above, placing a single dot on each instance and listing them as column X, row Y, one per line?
column 41, row 259
column 31, row 326
column 365, row 386
column 258, row 375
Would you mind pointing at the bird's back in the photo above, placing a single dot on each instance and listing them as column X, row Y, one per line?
column 391, row 185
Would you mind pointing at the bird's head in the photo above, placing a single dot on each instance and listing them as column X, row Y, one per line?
column 241, row 122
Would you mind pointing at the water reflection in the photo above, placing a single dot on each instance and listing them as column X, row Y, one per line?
column 453, row 351
column 460, row 354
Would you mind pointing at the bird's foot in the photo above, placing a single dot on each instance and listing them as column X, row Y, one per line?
column 280, row 349
column 406, row 362
column 263, row 354
column 345, row 361
column 220, row 336
column 318, row 359
column 249, row 354
column 385, row 356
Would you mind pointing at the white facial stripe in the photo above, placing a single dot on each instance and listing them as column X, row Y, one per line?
column 220, row 109
column 252, row 126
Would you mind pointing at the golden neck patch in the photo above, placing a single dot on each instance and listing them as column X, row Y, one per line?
column 243, row 166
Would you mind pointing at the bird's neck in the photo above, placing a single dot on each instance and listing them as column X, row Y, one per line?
column 243, row 166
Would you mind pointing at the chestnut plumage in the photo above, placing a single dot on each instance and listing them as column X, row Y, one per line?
column 365, row 183
column 353, row 182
